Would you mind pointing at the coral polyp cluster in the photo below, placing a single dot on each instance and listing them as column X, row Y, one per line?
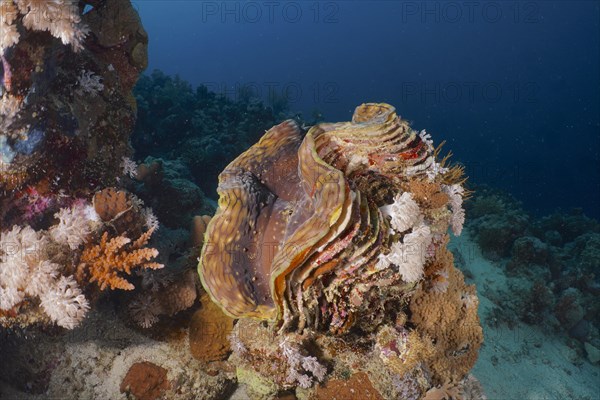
column 310, row 231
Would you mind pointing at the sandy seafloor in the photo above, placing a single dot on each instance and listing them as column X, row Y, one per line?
column 523, row 363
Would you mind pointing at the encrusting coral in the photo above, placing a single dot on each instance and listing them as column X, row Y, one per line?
column 342, row 232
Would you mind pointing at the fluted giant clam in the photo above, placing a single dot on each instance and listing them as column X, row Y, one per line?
column 319, row 230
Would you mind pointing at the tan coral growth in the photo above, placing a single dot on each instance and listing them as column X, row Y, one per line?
column 402, row 350
column 450, row 319
column 429, row 195
column 106, row 260
column 145, row 381
column 357, row 387
column 110, row 203
column 209, row 330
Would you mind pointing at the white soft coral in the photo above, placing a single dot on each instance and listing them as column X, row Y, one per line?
column 300, row 365
column 404, row 212
column 59, row 17
column 74, row 226
column 89, row 83
column 19, row 248
column 409, row 255
column 455, row 193
column 64, row 302
column 25, row 270
column 42, row 277
column 9, row 35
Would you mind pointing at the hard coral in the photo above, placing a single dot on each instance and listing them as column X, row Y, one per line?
column 357, row 387
column 106, row 260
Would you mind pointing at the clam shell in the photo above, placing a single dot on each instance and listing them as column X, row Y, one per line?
column 298, row 231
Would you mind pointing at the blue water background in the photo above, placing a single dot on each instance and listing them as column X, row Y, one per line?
column 513, row 87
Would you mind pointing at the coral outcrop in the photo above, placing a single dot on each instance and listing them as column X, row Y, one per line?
column 337, row 238
column 66, row 108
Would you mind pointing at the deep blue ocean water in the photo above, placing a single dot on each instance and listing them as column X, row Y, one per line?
column 513, row 87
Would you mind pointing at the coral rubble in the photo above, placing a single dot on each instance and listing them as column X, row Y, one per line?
column 337, row 238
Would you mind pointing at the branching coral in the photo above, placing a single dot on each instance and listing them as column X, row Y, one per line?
column 39, row 263
column 106, row 260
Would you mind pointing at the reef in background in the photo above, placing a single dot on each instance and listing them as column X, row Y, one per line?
column 203, row 129
column 552, row 266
